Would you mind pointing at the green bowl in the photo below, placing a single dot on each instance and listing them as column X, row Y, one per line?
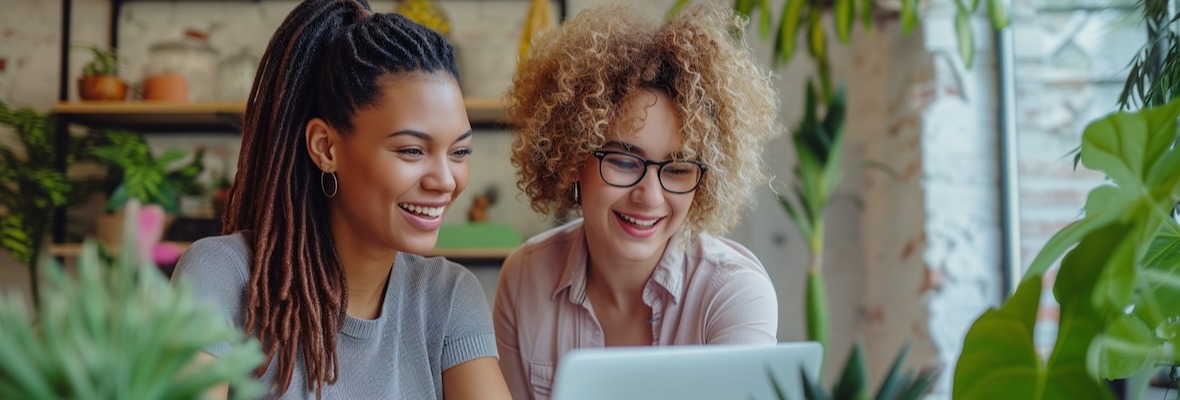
column 490, row 235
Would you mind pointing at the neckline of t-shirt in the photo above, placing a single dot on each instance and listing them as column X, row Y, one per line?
column 361, row 328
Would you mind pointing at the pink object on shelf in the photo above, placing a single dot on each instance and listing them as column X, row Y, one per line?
column 166, row 254
column 149, row 224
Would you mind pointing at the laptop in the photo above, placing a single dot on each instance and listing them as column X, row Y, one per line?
column 687, row 372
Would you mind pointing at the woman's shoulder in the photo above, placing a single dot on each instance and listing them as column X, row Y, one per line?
column 545, row 250
column 216, row 255
column 234, row 242
column 726, row 255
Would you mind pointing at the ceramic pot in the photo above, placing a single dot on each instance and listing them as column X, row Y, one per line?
column 102, row 87
column 165, row 87
column 108, row 229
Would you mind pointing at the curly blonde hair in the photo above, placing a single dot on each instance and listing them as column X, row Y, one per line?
column 570, row 97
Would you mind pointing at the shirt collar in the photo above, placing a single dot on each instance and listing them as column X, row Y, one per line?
column 668, row 275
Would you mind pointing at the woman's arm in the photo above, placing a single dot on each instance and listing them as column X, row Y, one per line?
column 504, row 319
column 476, row 379
column 744, row 310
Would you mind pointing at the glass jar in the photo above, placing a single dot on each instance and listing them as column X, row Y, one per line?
column 191, row 58
column 235, row 76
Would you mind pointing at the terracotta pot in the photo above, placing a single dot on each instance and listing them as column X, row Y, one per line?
column 165, row 87
column 102, row 87
column 108, row 229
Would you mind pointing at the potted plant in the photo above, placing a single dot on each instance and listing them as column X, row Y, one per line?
column 100, row 80
column 1118, row 287
column 117, row 330
column 144, row 177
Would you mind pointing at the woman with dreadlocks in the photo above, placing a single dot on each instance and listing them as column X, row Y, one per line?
column 355, row 144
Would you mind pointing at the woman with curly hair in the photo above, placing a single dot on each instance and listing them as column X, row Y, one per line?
column 654, row 132
column 355, row 144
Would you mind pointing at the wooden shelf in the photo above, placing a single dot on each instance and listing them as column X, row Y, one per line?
column 223, row 117
column 73, row 250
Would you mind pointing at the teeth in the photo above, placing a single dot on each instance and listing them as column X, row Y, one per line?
column 640, row 222
column 433, row 212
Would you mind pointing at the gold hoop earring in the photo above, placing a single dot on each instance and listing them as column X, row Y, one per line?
column 335, row 184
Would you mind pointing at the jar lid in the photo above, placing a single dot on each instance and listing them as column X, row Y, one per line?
column 193, row 41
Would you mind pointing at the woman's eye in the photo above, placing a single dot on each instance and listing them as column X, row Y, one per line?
column 461, row 153
column 623, row 163
column 413, row 151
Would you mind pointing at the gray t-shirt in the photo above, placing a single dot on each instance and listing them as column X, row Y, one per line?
column 435, row 316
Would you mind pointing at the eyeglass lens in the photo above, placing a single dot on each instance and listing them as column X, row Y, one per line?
column 625, row 170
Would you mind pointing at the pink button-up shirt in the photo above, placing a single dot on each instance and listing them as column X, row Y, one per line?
column 711, row 291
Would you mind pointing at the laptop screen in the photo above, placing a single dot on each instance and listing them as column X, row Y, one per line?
column 687, row 372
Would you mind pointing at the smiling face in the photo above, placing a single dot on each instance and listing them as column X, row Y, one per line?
column 634, row 224
column 402, row 165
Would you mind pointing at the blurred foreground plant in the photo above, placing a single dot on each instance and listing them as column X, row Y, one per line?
column 117, row 330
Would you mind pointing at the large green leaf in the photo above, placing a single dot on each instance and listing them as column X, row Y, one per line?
column 1163, row 257
column 1131, row 148
column 1104, row 205
column 998, row 358
column 1115, row 286
column 1124, row 349
column 1125, row 146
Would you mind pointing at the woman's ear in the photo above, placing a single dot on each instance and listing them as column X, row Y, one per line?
column 321, row 144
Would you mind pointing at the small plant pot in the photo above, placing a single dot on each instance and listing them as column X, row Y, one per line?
column 102, row 87
column 165, row 87
column 108, row 229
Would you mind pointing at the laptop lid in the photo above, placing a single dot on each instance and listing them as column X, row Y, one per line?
column 686, row 372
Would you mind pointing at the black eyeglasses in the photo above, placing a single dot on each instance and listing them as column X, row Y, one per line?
column 625, row 170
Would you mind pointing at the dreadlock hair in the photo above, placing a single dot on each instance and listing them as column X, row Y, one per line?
column 323, row 61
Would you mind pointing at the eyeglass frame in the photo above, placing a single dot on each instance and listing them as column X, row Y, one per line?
column 600, row 154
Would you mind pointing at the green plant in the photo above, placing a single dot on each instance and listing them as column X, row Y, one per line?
column 145, row 177
column 105, row 62
column 808, row 15
column 1155, row 70
column 30, row 184
column 117, row 331
column 819, row 150
column 1118, row 287
column 899, row 384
